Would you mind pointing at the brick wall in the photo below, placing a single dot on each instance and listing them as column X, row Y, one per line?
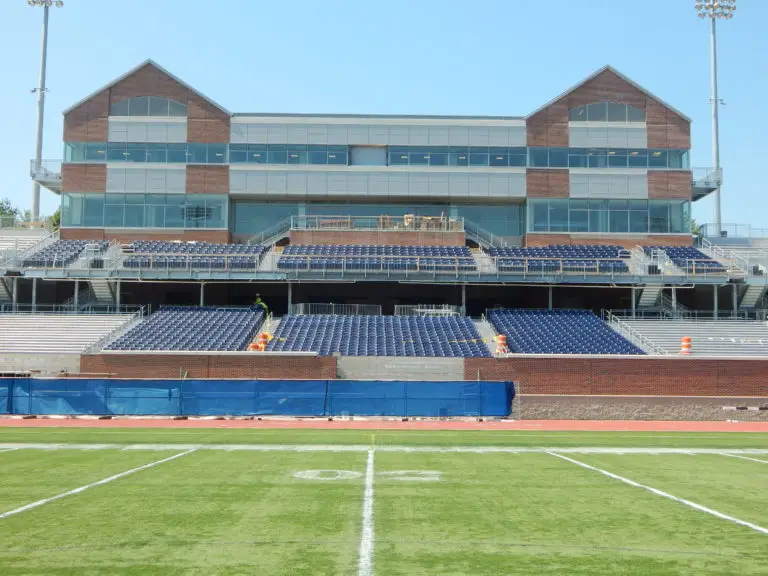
column 625, row 376
column 207, row 179
column 672, row 184
column 377, row 238
column 547, row 183
column 244, row 365
column 88, row 122
column 84, row 178
column 627, row 241
column 666, row 129
column 216, row 236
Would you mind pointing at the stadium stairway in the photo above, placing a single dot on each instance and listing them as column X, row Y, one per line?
column 487, row 333
column 708, row 337
column 6, row 296
column 484, row 263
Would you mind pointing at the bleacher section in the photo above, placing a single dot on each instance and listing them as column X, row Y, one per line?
column 193, row 328
column 373, row 258
column 18, row 240
column 176, row 255
column 708, row 337
column 62, row 253
column 453, row 336
column 558, row 332
column 689, row 259
column 55, row 333
column 567, row 258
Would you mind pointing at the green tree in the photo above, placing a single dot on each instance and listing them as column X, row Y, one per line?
column 56, row 219
column 695, row 228
column 7, row 209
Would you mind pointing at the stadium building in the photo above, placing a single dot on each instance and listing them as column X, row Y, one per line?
column 378, row 235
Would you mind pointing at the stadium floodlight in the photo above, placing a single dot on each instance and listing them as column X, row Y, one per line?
column 45, row 5
column 715, row 10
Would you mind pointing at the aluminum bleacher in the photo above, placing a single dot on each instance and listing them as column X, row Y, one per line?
column 708, row 337
column 62, row 253
column 298, row 257
column 193, row 328
column 691, row 260
column 558, row 332
column 55, row 333
column 176, row 255
column 566, row 258
column 452, row 336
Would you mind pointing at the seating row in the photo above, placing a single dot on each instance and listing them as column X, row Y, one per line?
column 689, row 259
column 62, row 253
column 187, row 262
column 165, row 247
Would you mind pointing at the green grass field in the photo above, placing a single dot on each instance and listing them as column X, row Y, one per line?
column 391, row 503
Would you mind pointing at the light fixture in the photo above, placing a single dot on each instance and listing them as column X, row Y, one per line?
column 722, row 9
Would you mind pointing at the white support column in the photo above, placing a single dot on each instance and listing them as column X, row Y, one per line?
column 34, row 294
column 634, row 302
column 15, row 295
column 715, row 294
column 735, row 298
column 674, row 298
column 117, row 294
column 464, row 299
column 76, row 299
column 290, row 296
column 202, row 294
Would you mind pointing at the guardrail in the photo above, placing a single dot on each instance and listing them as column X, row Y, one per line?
column 405, row 223
column 427, row 310
column 98, row 346
column 632, row 334
column 662, row 314
column 88, row 309
column 335, row 309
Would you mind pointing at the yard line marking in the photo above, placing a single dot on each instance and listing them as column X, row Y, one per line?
column 92, row 485
column 658, row 492
column 744, row 457
column 365, row 567
column 9, row 449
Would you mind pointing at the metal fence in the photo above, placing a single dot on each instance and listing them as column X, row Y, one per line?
column 335, row 309
column 405, row 223
column 91, row 308
column 427, row 310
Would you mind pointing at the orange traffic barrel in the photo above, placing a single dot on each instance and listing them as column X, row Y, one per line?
column 685, row 345
column 262, row 341
column 252, row 347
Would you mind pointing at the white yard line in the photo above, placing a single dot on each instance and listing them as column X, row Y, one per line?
column 9, row 449
column 658, row 492
column 365, row 567
column 92, row 485
column 744, row 457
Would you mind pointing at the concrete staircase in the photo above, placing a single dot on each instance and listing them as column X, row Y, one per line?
column 485, row 264
column 753, row 296
column 55, row 333
column 650, row 296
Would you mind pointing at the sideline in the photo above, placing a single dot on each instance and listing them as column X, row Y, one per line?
column 366, row 536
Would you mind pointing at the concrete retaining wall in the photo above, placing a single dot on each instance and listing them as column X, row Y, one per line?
column 399, row 368
column 44, row 363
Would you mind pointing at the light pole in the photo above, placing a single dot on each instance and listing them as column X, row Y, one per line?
column 714, row 10
column 46, row 4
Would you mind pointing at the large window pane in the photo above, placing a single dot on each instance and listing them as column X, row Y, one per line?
column 638, row 158
column 418, row 158
column 540, row 217
column 539, row 157
column 257, row 153
column 518, row 157
column 197, row 153
column 617, row 112
column 578, row 158
column 619, row 221
column 139, row 106
column 597, row 112
column 217, row 153
column 638, row 221
column 114, row 215
column 459, row 158
column 659, row 216
column 176, row 109
column 558, row 157
column 678, row 159
column 93, row 210
column 558, row 215
column 96, row 152
column 158, row 106
column 119, row 108
column 238, row 153
column 216, row 212
column 134, row 216
column 440, row 159
column 578, row 114
column 657, row 159
column 478, row 159
column 157, row 152
column 598, row 158
column 498, row 160
column 635, row 114
column 177, row 153
column 579, row 220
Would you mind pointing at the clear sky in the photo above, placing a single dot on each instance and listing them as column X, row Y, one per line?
column 483, row 57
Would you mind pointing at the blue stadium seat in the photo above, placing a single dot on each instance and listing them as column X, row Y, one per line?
column 690, row 259
column 62, row 253
column 454, row 336
column 567, row 258
column 559, row 332
column 193, row 328
column 195, row 255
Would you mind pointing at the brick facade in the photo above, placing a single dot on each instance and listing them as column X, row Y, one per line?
column 128, row 235
column 88, row 122
column 84, row 178
column 207, row 179
column 377, row 238
column 666, row 129
column 670, row 184
column 628, row 241
column 246, row 365
column 547, row 183
column 625, row 376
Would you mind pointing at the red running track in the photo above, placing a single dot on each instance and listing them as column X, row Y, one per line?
column 531, row 425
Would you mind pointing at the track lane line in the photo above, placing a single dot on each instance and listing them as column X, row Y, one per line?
column 663, row 494
column 92, row 485
column 365, row 566
column 744, row 457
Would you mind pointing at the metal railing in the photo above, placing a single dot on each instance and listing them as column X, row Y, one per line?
column 304, row 309
column 405, row 223
column 482, row 236
column 730, row 230
column 427, row 310
column 47, row 170
column 99, row 345
column 88, row 309
column 662, row 314
column 707, row 177
column 271, row 234
column 632, row 334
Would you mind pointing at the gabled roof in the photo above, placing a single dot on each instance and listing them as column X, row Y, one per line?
column 595, row 74
column 148, row 62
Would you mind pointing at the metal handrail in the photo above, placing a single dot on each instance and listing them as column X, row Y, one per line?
column 99, row 345
column 271, row 234
column 632, row 334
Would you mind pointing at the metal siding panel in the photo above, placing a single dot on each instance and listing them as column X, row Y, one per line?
column 177, row 132
column 418, row 136
column 277, row 134
column 498, row 136
column 599, row 186
column 238, row 133
column 398, row 184
column 617, row 138
column 257, row 182
column 638, row 186
column 378, row 184
column 135, row 180
column 277, row 182
column 598, row 137
column 518, row 185
column 176, row 181
column 156, row 181
column 578, row 137
column 439, row 185
column 297, row 183
column 157, row 132
column 378, row 135
column 337, row 182
column 257, row 134
column 478, row 185
column 398, row 135
column 618, row 186
column 238, row 181
column 498, row 185
column 357, row 134
column 137, row 131
column 418, row 184
column 357, row 183
column 337, row 135
column 578, row 185
column 297, row 134
column 459, row 136
column 478, row 136
column 115, row 179
column 518, row 136
column 439, row 136
column 458, row 185
column 317, row 134
column 317, row 184
column 118, row 131
column 637, row 137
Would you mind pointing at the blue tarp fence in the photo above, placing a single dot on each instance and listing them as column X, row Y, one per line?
column 32, row 396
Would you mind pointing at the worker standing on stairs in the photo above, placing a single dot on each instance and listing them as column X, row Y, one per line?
column 259, row 303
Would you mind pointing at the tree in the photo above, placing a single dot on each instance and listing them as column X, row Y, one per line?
column 7, row 209
column 56, row 219
column 695, row 228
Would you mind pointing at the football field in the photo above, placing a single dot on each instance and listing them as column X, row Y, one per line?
column 167, row 502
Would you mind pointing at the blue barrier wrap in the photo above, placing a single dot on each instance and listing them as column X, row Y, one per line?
column 254, row 397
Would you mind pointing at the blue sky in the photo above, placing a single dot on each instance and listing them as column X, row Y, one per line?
column 486, row 57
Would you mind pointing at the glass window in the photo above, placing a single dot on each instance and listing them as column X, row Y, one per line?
column 578, row 114
column 217, row 153
column 157, row 153
column 158, row 106
column 439, row 159
column 93, row 210
column 216, row 212
column 658, row 213
column 678, row 159
column 598, row 158
column 598, row 216
column 197, row 153
column 635, row 114
column 478, row 159
column 177, row 153
column 114, row 215
column 657, row 158
column 257, row 153
column 134, row 216
column 154, row 215
column 238, row 153
column 638, row 221
column 96, row 152
column 597, row 112
column 578, row 158
column 579, row 220
column 617, row 158
column 139, row 106
column 540, row 216
column 518, row 157
column 317, row 154
column 616, row 112
column 638, row 158
column 337, row 155
column 459, row 158
column 253, row 217
column 277, row 157
column 136, row 152
column 119, row 108
column 558, row 215
column 496, row 159
column 116, row 152
column 558, row 157
column 539, row 157
column 418, row 158
column 176, row 108
column 619, row 220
